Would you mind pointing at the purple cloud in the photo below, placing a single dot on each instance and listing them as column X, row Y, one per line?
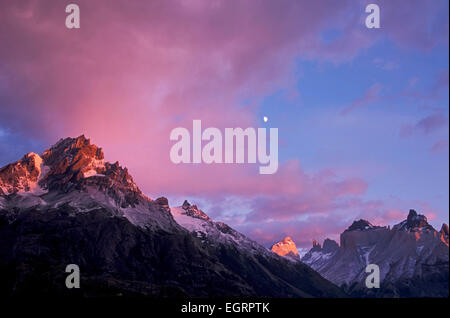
column 439, row 146
column 426, row 125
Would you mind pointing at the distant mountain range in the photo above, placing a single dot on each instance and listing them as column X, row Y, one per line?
column 70, row 206
column 413, row 258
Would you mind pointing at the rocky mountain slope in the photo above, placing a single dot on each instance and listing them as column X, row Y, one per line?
column 413, row 258
column 69, row 206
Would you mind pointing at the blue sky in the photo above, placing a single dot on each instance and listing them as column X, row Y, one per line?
column 367, row 141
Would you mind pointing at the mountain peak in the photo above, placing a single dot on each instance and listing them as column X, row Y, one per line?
column 444, row 229
column 70, row 164
column 194, row 211
column 162, row 201
column 22, row 175
column 77, row 149
column 329, row 245
column 73, row 159
column 444, row 233
column 186, row 205
column 286, row 247
column 315, row 243
column 414, row 222
column 360, row 225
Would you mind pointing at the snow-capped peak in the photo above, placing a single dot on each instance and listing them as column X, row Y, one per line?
column 23, row 176
column 194, row 211
column 71, row 165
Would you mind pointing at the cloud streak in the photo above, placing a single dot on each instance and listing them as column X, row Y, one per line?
column 426, row 125
column 371, row 95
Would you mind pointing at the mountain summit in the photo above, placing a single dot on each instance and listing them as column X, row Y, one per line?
column 361, row 225
column 74, row 172
column 286, row 248
column 415, row 223
column 70, row 206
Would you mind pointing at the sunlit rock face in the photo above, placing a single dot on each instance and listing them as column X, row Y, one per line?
column 286, row 248
column 73, row 172
column 444, row 233
column 22, row 175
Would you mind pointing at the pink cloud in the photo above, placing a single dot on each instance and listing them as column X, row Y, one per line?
column 388, row 217
column 133, row 72
column 317, row 194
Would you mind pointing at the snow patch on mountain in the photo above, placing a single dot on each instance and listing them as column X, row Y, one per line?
column 92, row 173
column 94, row 168
column 23, row 177
column 188, row 222
column 317, row 256
column 202, row 226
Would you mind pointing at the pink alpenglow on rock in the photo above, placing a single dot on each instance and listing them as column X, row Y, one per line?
column 286, row 248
